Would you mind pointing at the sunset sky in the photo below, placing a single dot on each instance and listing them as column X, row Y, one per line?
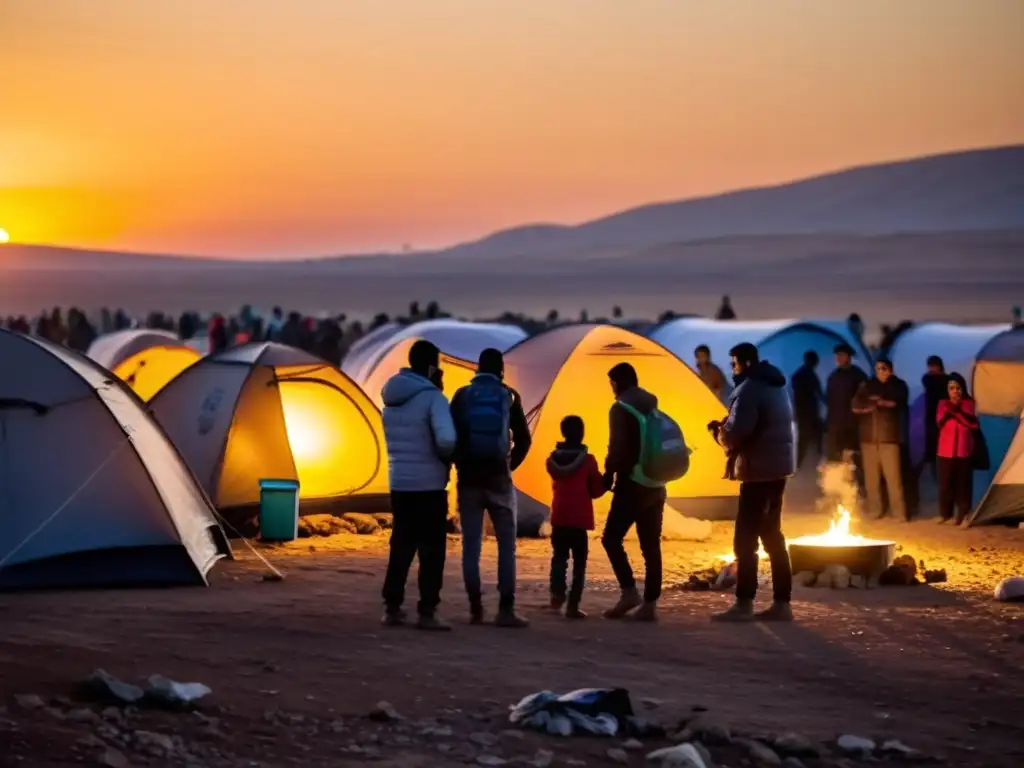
column 277, row 128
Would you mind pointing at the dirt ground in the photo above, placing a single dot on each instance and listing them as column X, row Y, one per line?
column 296, row 666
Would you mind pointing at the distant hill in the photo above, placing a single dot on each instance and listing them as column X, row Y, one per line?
column 47, row 257
column 979, row 190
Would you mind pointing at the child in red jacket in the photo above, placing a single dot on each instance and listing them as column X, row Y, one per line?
column 577, row 482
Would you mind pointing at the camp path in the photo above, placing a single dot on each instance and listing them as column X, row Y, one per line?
column 295, row 666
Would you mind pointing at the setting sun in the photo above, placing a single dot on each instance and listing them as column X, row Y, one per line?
column 4, row 237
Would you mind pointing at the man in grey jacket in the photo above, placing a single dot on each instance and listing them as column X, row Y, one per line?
column 420, row 438
column 758, row 438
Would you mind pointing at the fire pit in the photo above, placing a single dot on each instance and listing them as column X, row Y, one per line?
column 861, row 556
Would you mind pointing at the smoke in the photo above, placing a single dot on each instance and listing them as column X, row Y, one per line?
column 838, row 485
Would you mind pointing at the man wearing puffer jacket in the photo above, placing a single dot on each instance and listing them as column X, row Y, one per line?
column 420, row 438
column 758, row 438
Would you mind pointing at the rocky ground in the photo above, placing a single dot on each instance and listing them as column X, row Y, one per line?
column 299, row 668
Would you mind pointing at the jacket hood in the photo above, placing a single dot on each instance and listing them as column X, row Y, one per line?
column 566, row 459
column 640, row 399
column 766, row 373
column 403, row 387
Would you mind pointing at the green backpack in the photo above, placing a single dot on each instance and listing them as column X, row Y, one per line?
column 664, row 455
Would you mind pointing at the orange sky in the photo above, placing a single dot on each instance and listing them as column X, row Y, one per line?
column 277, row 128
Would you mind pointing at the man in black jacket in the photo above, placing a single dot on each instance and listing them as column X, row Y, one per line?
column 493, row 438
column 840, row 422
column 807, row 400
column 935, row 383
column 881, row 405
column 633, row 503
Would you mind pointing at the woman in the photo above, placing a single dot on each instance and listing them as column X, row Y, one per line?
column 958, row 426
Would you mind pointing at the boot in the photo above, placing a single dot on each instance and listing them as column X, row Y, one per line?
column 778, row 611
column 477, row 615
column 393, row 617
column 742, row 610
column 572, row 610
column 507, row 618
column 557, row 601
column 646, row 612
column 432, row 623
column 629, row 600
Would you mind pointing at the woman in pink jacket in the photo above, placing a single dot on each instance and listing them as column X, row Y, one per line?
column 958, row 425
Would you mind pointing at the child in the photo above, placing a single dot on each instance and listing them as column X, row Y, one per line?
column 577, row 482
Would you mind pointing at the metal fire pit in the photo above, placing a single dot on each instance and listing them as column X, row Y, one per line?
column 867, row 558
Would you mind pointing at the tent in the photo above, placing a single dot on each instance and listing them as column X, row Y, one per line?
column 91, row 491
column 780, row 342
column 1004, row 498
column 998, row 388
column 565, row 371
column 267, row 411
column 456, row 338
column 957, row 345
column 145, row 359
column 457, row 373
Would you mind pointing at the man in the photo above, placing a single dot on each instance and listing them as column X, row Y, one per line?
column 710, row 373
column 881, row 405
column 420, row 440
column 935, row 383
column 635, row 501
column 758, row 436
column 493, row 439
column 725, row 310
column 807, row 400
column 840, row 422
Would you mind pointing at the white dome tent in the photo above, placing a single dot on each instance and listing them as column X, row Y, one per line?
column 957, row 345
column 91, row 491
column 456, row 338
column 780, row 342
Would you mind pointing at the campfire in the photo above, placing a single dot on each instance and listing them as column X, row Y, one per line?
column 838, row 534
column 839, row 549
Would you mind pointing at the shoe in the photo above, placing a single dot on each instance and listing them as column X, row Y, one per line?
column 509, row 619
column 432, row 623
column 629, row 600
column 573, row 611
column 777, row 612
column 646, row 612
column 477, row 615
column 394, row 618
column 742, row 610
column 557, row 601
column 944, row 520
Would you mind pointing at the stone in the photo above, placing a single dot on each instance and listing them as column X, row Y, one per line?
column 618, row 755
column 384, row 713
column 760, row 753
column 805, row 578
column 793, row 762
column 490, row 760
column 106, row 687
column 795, row 745
column 29, row 701
column 633, row 745
column 112, row 758
column 937, row 576
column 483, row 739
column 835, row 576
column 858, row 582
column 679, row 756
column 897, row 747
column 542, row 759
column 83, row 715
column 92, row 741
column 852, row 744
column 907, row 562
column 157, row 744
column 365, row 525
column 706, row 728
column 437, row 731
column 384, row 520
column 164, row 692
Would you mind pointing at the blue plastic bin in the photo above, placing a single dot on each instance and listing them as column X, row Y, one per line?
column 279, row 510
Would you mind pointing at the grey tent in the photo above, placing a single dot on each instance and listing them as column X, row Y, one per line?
column 92, row 493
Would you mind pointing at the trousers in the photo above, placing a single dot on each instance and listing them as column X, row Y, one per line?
column 420, row 527
column 760, row 518
column 633, row 504
column 566, row 542
column 497, row 498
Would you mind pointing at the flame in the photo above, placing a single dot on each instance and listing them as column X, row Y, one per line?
column 838, row 532
column 731, row 558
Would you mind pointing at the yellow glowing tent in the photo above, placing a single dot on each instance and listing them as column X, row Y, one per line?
column 457, row 373
column 145, row 359
column 267, row 411
column 565, row 371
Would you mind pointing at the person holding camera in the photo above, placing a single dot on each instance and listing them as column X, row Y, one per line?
column 758, row 439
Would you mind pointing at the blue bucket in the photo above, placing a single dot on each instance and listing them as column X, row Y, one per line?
column 279, row 510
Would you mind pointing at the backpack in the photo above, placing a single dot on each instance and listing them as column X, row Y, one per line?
column 664, row 455
column 487, row 409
